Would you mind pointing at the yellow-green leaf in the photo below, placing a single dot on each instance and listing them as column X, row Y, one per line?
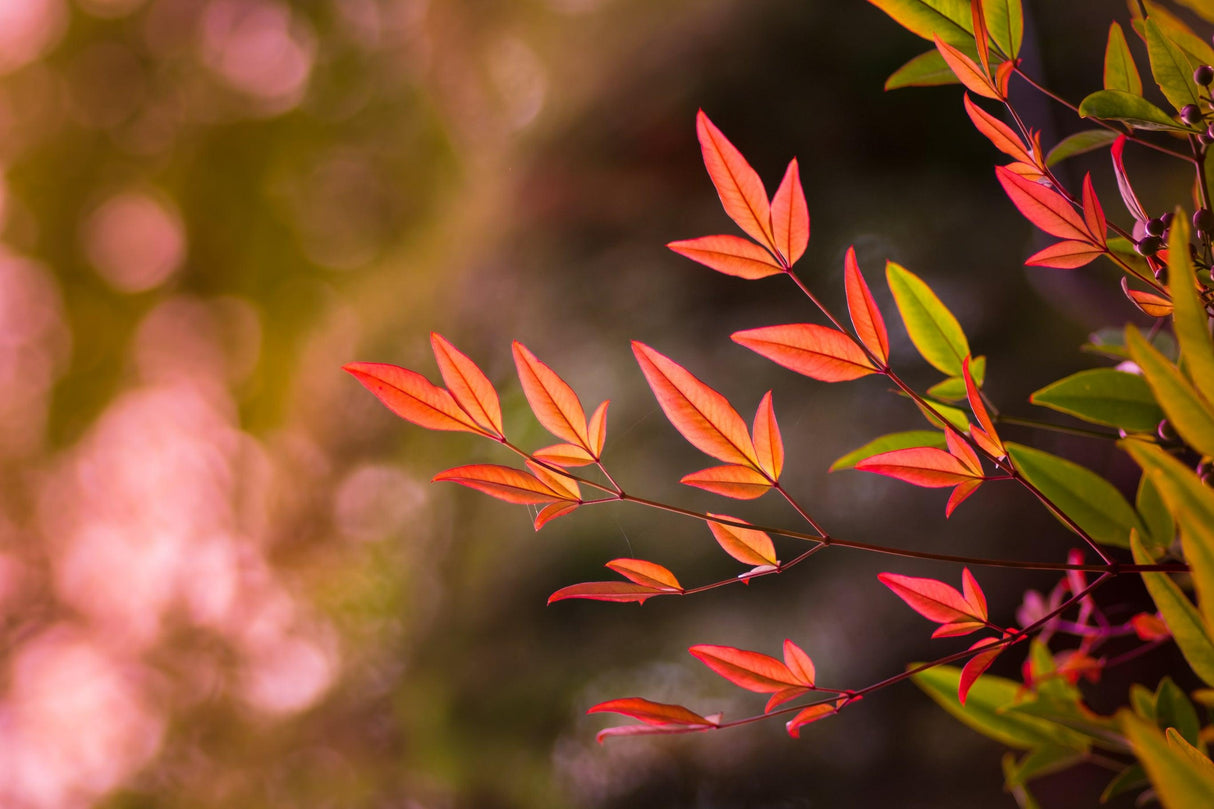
column 1180, row 780
column 1079, row 143
column 925, row 70
column 1133, row 109
column 1180, row 615
column 1120, row 72
column 1188, row 314
column 889, row 443
column 1103, row 396
column 1189, row 414
column 951, row 20
column 932, row 328
column 1171, row 67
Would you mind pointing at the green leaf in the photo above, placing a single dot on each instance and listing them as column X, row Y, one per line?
column 1024, row 798
column 1086, row 141
column 1040, row 761
column 1161, row 528
column 1192, row 417
column 1132, row 777
column 985, row 710
column 1192, row 505
column 1104, row 396
column 1120, row 72
column 1197, row 47
column 1142, row 700
column 1189, row 315
column 953, row 388
column 889, row 443
column 1180, row 780
column 1111, row 343
column 1173, row 709
column 1088, row 499
column 1182, row 618
column 1171, row 67
column 1005, row 23
column 951, row 20
column 954, row 416
column 925, row 70
column 1133, row 109
column 932, row 328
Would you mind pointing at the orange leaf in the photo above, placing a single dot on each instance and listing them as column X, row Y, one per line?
column 553, row 510
column 1066, row 255
column 554, row 403
column 1093, row 214
column 960, row 492
column 1150, row 627
column 966, row 71
column 816, row 351
column 412, row 397
column 565, row 486
column 598, row 428
column 741, row 191
column 999, row 133
column 865, row 316
column 981, row 38
column 923, row 466
column 749, row 546
column 938, row 602
column 652, row 713
column 738, row 482
column 468, row 384
column 702, row 415
column 618, row 591
column 731, row 255
column 502, row 482
column 976, row 665
column 1028, row 171
column 769, row 445
column 1148, row 302
column 1044, row 207
column 986, row 437
column 648, row 574
column 750, row 670
column 972, row 593
column 811, row 714
column 962, row 451
column 564, row 455
column 790, row 215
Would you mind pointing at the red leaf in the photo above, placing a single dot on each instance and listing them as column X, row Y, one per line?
column 999, row 133
column 649, row 712
column 769, row 445
column 985, row 436
column 1093, row 214
column 1003, row 75
column 966, row 71
column 923, row 466
column 1066, row 255
column 468, row 384
column 790, row 215
column 811, row 714
column 981, row 39
column 935, row 600
column 1150, row 627
column 960, row 493
column 865, row 316
column 816, row 351
column 962, row 451
column 748, row 545
column 645, row 573
column 553, row 510
column 1128, row 196
column 650, row 730
column 597, row 429
column 1045, row 208
column 554, row 403
column 741, row 191
column 738, row 482
column 564, row 455
column 972, row 593
column 976, row 665
column 731, row 255
column 412, row 397
column 502, row 482
column 750, row 670
column 702, row 415
column 1028, row 171
column 619, row 591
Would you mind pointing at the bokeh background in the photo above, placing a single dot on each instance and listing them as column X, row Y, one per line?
column 225, row 580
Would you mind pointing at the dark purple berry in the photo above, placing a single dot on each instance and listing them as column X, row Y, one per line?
column 1203, row 220
column 1155, row 227
column 1166, row 218
column 1165, row 432
column 1149, row 245
column 1190, row 114
column 1204, row 75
